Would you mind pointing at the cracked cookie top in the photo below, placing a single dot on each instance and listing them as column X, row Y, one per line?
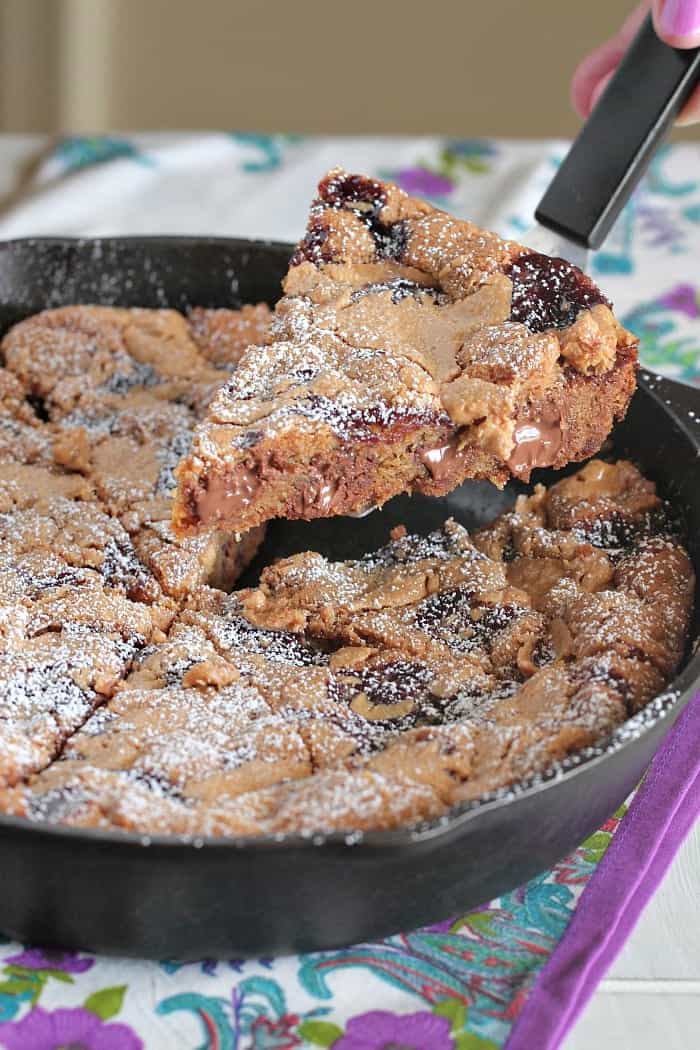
column 414, row 350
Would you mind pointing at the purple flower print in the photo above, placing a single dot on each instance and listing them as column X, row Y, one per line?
column 380, row 1029
column 49, row 959
column 423, row 181
column 684, row 299
column 76, row 1028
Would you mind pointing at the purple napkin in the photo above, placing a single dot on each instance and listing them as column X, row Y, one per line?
column 662, row 813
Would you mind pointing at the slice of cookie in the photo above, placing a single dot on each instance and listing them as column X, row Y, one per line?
column 410, row 351
column 121, row 389
column 63, row 355
column 50, row 683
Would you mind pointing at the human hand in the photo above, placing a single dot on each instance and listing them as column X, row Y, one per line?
column 676, row 21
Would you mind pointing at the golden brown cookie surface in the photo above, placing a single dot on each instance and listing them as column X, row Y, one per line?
column 410, row 351
column 93, row 419
column 374, row 693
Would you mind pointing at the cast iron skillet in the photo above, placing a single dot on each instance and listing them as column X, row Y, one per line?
column 164, row 897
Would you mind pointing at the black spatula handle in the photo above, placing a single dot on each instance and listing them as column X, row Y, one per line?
column 615, row 145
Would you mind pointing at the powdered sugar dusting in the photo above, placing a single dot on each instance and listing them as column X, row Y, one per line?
column 378, row 692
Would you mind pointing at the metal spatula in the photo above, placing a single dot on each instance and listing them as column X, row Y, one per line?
column 613, row 149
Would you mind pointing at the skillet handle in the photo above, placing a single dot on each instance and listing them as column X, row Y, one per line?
column 682, row 399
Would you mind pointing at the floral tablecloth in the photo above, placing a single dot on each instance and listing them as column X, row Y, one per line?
column 515, row 972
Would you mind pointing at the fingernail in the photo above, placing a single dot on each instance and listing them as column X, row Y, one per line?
column 680, row 17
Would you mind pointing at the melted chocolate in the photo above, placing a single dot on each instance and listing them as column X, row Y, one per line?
column 549, row 292
column 230, row 493
column 441, row 461
column 537, row 440
column 227, row 495
column 320, row 495
column 323, row 498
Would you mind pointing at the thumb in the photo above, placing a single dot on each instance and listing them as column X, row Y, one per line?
column 677, row 22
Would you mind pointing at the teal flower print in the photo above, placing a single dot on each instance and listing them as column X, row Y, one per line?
column 79, row 151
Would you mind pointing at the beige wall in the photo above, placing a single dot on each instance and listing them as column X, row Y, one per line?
column 499, row 67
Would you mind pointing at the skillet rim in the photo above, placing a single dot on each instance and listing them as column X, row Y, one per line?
column 667, row 705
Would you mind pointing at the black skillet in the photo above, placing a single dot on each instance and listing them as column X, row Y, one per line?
column 164, row 897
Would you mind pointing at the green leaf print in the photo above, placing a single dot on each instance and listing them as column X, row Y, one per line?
column 320, row 1033
column 471, row 1041
column 479, row 921
column 596, row 845
column 107, row 1002
column 454, row 1011
column 19, row 985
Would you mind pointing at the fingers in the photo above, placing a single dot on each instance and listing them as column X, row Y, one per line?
column 677, row 22
column 595, row 68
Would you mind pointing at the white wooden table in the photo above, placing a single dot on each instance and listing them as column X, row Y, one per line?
column 650, row 999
